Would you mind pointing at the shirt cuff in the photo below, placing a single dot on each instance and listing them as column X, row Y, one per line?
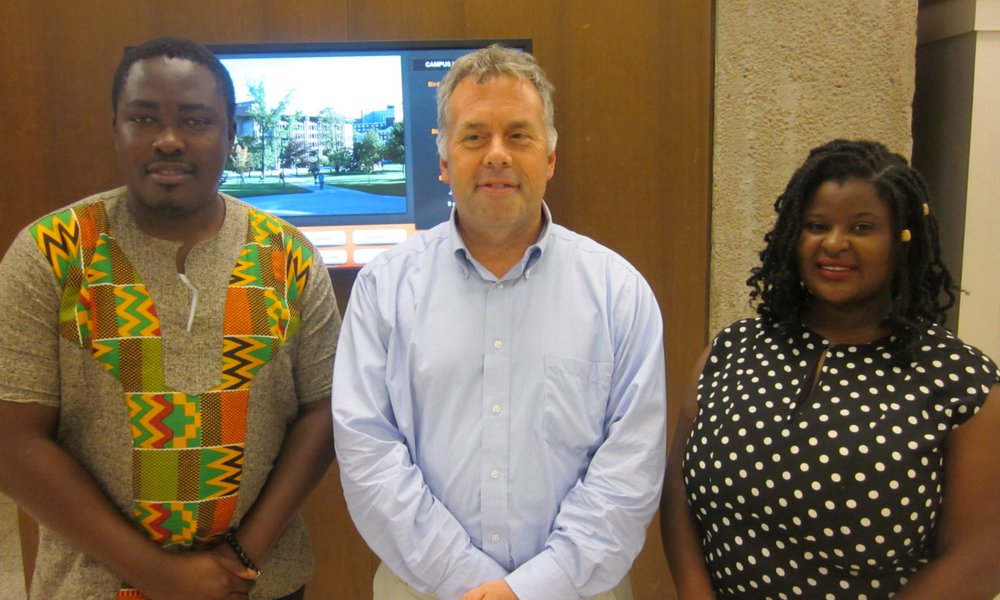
column 471, row 571
column 541, row 578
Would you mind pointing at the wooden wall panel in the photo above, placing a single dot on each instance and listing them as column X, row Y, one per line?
column 633, row 109
column 392, row 19
column 22, row 147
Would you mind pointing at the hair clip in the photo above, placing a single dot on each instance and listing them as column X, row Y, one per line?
column 905, row 236
column 927, row 209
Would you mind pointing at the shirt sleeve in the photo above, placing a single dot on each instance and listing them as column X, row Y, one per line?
column 320, row 326
column 395, row 512
column 601, row 524
column 29, row 336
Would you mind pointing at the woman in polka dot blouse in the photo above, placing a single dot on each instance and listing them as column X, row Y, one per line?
column 843, row 444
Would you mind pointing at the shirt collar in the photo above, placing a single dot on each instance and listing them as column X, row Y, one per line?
column 523, row 268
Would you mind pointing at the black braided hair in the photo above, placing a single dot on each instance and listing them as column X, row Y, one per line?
column 922, row 288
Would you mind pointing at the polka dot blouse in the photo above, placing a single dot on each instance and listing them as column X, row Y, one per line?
column 833, row 493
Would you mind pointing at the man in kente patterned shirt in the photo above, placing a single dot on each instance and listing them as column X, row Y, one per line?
column 166, row 353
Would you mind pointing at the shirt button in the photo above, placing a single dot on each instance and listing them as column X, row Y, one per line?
column 497, row 344
column 496, row 409
column 495, row 538
column 495, row 474
column 500, row 286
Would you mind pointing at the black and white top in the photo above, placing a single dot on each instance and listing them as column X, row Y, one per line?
column 833, row 493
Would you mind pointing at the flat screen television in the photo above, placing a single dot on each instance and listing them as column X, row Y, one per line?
column 340, row 138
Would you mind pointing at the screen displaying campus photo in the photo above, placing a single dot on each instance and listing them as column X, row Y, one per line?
column 312, row 141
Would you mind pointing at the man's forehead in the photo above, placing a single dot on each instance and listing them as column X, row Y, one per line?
column 160, row 60
column 188, row 79
column 181, row 71
column 495, row 91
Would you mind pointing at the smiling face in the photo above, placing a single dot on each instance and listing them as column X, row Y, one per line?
column 172, row 137
column 846, row 249
column 497, row 162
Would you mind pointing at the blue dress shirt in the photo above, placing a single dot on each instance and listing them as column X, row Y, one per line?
column 502, row 428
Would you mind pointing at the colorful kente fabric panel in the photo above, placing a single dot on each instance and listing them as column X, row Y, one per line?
column 187, row 455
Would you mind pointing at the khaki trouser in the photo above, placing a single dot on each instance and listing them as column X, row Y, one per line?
column 386, row 586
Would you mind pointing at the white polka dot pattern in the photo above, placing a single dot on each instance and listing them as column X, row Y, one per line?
column 834, row 495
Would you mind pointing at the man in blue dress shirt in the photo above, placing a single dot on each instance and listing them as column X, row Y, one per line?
column 499, row 394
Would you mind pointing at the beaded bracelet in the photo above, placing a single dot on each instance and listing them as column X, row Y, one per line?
column 240, row 554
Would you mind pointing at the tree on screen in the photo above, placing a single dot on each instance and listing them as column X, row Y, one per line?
column 270, row 126
column 394, row 150
column 368, row 153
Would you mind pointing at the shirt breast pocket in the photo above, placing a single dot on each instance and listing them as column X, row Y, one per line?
column 576, row 398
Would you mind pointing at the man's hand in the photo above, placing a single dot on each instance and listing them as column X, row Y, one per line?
column 491, row 590
column 210, row 574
